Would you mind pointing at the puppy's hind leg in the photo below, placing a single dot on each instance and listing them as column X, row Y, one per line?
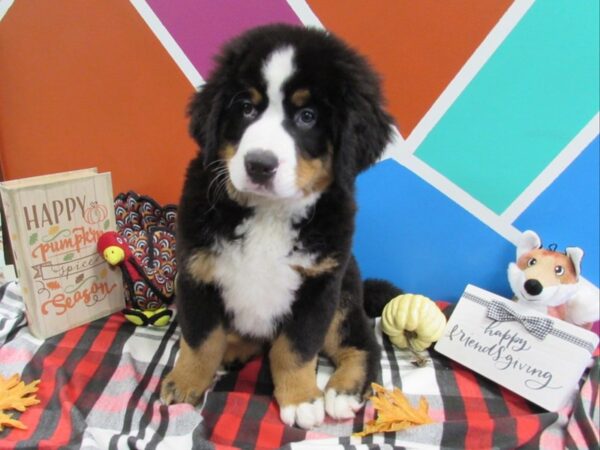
column 239, row 351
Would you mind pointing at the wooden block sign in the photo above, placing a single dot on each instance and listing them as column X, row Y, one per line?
column 539, row 357
column 54, row 223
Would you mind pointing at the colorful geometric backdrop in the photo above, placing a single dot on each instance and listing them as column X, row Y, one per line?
column 496, row 105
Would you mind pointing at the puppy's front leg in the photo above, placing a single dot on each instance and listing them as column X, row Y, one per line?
column 293, row 355
column 300, row 400
column 194, row 370
column 203, row 341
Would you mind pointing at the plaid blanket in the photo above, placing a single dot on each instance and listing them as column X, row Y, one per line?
column 100, row 383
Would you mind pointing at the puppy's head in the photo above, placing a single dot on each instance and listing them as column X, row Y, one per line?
column 287, row 112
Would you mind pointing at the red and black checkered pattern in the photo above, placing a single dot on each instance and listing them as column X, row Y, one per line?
column 100, row 383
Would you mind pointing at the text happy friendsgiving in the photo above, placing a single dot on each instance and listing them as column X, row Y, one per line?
column 508, row 350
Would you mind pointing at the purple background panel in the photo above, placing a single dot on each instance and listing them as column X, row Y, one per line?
column 200, row 27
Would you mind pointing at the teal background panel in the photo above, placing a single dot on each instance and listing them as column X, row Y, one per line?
column 410, row 233
column 525, row 105
column 567, row 213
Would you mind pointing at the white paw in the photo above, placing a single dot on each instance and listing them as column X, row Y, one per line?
column 341, row 406
column 306, row 415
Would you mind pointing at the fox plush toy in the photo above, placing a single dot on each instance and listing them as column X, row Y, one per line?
column 549, row 282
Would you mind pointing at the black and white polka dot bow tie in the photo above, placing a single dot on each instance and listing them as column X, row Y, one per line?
column 537, row 326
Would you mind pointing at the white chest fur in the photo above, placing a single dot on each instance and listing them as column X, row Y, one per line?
column 257, row 281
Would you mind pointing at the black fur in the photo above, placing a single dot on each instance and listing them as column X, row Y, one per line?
column 346, row 94
column 377, row 294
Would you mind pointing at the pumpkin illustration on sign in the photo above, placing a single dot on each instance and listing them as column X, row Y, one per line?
column 96, row 213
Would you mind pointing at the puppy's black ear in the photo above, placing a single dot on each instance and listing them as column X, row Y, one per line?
column 365, row 126
column 204, row 111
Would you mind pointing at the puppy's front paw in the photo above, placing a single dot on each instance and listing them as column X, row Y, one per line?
column 176, row 388
column 341, row 406
column 306, row 415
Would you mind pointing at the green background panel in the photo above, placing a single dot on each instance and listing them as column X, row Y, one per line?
column 525, row 105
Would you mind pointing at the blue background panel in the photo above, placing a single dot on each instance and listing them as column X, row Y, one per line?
column 413, row 235
column 567, row 213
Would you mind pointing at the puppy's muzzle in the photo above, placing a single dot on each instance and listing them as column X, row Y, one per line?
column 261, row 166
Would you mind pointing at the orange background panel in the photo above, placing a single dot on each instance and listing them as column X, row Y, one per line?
column 417, row 46
column 86, row 84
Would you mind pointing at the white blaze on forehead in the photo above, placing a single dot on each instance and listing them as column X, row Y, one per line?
column 276, row 71
column 268, row 133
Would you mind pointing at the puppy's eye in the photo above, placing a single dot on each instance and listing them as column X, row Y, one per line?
column 559, row 271
column 305, row 118
column 531, row 262
column 248, row 109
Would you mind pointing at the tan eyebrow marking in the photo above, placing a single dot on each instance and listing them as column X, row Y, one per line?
column 255, row 96
column 300, row 97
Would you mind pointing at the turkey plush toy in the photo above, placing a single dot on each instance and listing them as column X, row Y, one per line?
column 549, row 281
column 144, row 249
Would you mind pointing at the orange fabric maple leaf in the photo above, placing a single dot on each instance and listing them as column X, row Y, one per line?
column 7, row 420
column 394, row 412
column 15, row 394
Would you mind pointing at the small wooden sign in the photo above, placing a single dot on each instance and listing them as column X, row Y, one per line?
column 54, row 222
column 539, row 357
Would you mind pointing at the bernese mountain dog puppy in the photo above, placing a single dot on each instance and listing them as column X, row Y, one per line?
column 285, row 123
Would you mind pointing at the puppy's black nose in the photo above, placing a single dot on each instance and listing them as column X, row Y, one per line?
column 261, row 165
column 533, row 287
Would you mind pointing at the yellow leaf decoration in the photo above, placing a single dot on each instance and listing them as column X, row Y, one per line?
column 53, row 230
column 5, row 420
column 394, row 412
column 15, row 394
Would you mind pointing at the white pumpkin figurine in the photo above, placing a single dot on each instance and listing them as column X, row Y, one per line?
column 414, row 322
